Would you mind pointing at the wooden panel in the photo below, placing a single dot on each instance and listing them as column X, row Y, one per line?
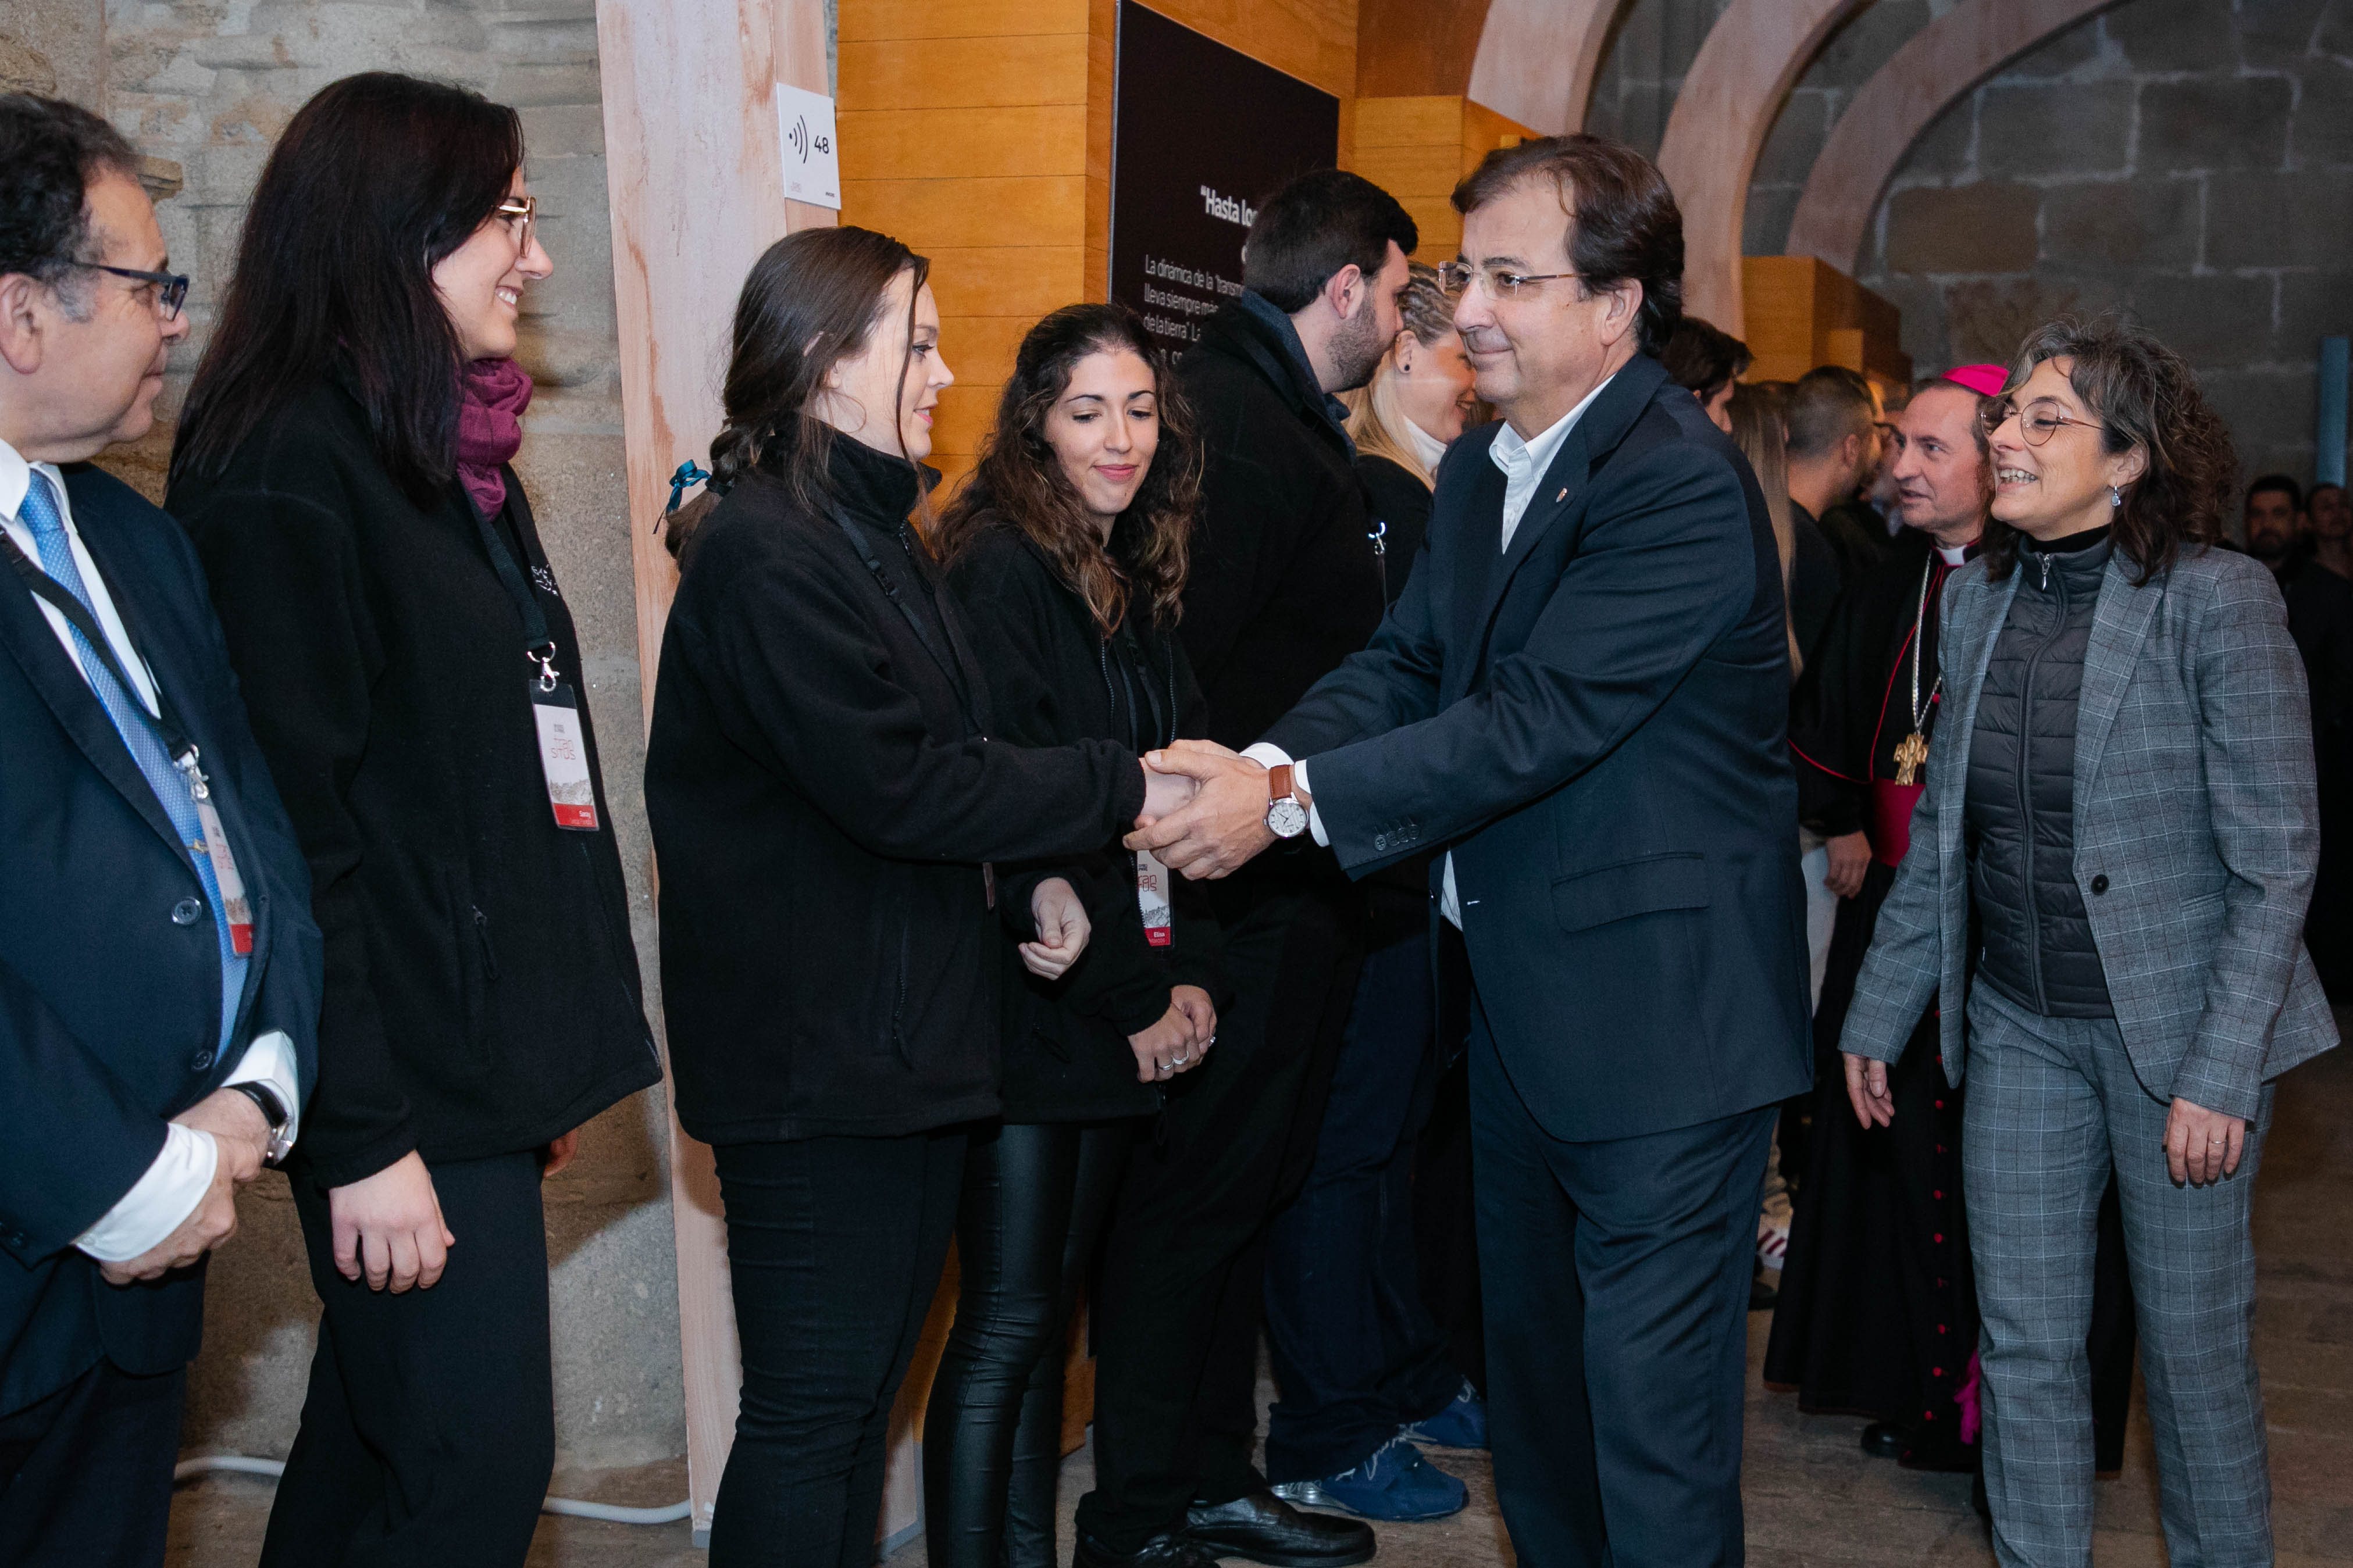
column 1536, row 59
column 1803, row 312
column 1018, row 280
column 971, row 212
column 688, row 96
column 1937, row 64
column 1485, row 130
column 1744, row 72
column 960, row 73
column 945, row 143
column 1423, row 121
column 1315, row 41
column 965, row 413
column 1432, row 170
column 980, row 349
column 869, row 21
column 1416, row 45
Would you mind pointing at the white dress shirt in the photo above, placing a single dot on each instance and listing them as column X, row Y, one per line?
column 1426, row 446
column 1524, row 464
column 177, row 1179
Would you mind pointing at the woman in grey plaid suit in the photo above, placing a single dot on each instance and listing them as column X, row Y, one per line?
column 2121, row 798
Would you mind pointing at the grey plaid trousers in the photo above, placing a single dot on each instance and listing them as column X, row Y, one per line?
column 2052, row 1102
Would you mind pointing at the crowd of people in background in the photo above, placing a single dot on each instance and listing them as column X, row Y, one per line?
column 1448, row 828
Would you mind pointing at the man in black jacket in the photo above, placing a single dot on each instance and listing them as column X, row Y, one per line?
column 1285, row 584
column 159, row 969
column 1582, row 698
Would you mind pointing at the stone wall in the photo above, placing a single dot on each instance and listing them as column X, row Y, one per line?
column 209, row 87
column 2185, row 160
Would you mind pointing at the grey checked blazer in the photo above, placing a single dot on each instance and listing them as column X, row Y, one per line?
column 2195, row 809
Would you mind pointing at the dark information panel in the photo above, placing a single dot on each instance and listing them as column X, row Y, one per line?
column 1201, row 133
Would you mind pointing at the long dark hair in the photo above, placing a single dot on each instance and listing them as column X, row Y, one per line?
column 2145, row 395
column 1019, row 479
column 375, row 180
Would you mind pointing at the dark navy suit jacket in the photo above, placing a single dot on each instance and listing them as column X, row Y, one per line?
column 1594, row 721
column 109, row 1011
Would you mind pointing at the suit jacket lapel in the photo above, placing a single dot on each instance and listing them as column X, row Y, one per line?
column 25, row 632
column 2119, row 624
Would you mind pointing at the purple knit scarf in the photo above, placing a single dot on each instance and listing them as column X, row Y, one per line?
column 490, row 427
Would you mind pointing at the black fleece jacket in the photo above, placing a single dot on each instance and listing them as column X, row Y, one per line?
column 483, row 992
column 1056, row 679
column 824, row 791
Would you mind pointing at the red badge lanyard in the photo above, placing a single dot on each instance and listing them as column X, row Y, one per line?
column 562, row 742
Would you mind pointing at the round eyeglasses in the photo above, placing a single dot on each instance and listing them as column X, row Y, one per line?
column 2038, row 421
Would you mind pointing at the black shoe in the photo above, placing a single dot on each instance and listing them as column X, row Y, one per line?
column 1259, row 1526
column 1978, row 1498
column 1167, row 1551
column 1762, row 1293
column 1883, row 1440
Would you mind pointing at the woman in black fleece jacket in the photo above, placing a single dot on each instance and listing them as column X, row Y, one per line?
column 829, row 810
column 1067, row 551
column 343, row 468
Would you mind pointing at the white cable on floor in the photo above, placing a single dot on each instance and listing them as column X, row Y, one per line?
column 571, row 1508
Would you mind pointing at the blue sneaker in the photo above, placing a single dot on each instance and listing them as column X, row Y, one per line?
column 1397, row 1484
column 1461, row 1424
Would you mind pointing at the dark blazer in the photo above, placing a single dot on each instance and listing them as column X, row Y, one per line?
column 824, row 791
column 110, row 1009
column 482, row 990
column 1284, row 584
column 1056, row 679
column 1595, row 722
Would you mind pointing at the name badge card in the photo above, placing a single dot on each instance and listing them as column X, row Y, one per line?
column 232, row 886
column 563, row 757
column 1152, row 898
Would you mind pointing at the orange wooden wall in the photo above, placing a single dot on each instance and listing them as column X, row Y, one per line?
column 1418, row 148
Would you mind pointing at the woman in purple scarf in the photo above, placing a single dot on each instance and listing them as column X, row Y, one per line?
column 416, row 685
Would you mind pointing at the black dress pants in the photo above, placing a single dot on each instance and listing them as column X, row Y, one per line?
column 1356, row 1355
column 1617, row 1278
column 86, row 1472
column 1184, row 1264
column 834, row 1247
column 428, row 1430
column 1034, row 1198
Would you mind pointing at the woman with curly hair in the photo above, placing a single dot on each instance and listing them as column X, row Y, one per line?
column 1067, row 551
column 2120, row 802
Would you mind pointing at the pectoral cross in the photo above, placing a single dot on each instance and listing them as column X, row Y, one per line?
column 1910, row 754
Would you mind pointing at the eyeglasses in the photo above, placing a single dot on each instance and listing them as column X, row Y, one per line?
column 171, row 287
column 2038, row 421
column 526, row 210
column 1456, row 277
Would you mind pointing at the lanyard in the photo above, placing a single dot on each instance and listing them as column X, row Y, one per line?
column 539, row 645
column 166, row 725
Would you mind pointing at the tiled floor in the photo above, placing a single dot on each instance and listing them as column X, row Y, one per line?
column 1813, row 1496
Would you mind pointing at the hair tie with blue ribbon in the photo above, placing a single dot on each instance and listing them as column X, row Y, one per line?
column 688, row 474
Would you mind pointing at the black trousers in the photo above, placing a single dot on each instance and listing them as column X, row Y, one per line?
column 835, row 1246
column 1356, row 1355
column 86, row 1472
column 429, row 1429
column 1617, row 1287
column 1177, row 1318
column 1035, row 1199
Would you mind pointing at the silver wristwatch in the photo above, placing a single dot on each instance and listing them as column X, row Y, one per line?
column 1286, row 813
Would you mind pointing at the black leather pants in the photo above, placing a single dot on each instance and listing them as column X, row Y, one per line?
column 1034, row 1198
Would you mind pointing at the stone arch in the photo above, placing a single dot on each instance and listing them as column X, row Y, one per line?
column 1753, row 57
column 1946, row 59
column 1536, row 59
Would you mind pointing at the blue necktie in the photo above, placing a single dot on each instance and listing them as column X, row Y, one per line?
column 40, row 515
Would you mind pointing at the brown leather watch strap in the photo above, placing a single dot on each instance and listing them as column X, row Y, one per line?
column 1278, row 783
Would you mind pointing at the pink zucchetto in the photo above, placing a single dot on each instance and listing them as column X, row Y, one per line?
column 1985, row 380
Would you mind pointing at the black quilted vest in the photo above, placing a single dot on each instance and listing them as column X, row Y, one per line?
column 2020, row 796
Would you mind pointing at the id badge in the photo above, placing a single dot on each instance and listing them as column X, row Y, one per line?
column 563, row 757
column 232, row 886
column 1152, row 898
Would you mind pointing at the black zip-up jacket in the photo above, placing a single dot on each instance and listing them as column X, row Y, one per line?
column 1284, row 582
column 824, row 791
column 1056, row 681
column 2020, row 810
column 483, row 992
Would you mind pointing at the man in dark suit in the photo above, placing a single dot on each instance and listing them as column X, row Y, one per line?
column 159, row 971
column 1581, row 697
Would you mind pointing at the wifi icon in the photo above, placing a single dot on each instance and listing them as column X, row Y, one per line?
column 797, row 137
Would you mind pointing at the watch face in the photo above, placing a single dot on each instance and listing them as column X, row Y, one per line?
column 1287, row 817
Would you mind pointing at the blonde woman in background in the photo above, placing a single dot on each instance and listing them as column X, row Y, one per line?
column 1417, row 403
column 1754, row 412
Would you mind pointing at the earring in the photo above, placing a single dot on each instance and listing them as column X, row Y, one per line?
column 2115, row 496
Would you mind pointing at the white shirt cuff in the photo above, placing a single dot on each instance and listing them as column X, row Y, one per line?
column 158, row 1201
column 270, row 1060
column 1267, row 755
